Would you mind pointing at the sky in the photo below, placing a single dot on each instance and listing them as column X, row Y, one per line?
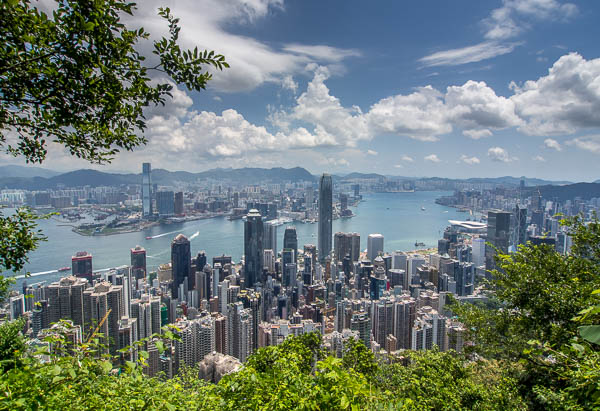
column 419, row 88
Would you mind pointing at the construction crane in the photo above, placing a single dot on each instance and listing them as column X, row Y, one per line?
column 99, row 325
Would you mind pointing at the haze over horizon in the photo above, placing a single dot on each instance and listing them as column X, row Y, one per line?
column 461, row 90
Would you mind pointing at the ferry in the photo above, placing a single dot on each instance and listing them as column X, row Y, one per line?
column 64, row 269
column 419, row 244
column 422, row 208
column 148, row 238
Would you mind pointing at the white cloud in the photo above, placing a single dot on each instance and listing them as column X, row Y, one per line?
column 469, row 54
column 477, row 134
column 398, row 166
column 589, row 143
column 322, row 52
column 565, row 100
column 539, row 158
column 288, row 83
column 372, row 152
column 469, row 160
column 407, row 159
column 217, row 98
column 499, row 154
column 433, row 158
column 553, row 144
column 420, row 115
column 514, row 16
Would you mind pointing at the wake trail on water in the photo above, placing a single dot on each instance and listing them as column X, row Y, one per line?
column 164, row 234
column 196, row 234
column 36, row 274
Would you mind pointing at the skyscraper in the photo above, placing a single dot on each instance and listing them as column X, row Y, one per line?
column 374, row 246
column 253, row 248
column 498, row 233
column 520, row 232
column 325, row 216
column 270, row 237
column 146, row 190
column 181, row 261
column 178, row 207
column 81, row 265
column 290, row 240
column 138, row 262
column 165, row 202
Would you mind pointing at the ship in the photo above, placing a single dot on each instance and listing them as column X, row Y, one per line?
column 64, row 269
column 422, row 208
column 148, row 238
column 419, row 244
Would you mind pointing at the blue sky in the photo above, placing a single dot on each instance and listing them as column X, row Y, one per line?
column 428, row 88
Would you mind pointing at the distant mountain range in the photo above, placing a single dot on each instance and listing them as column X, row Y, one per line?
column 35, row 178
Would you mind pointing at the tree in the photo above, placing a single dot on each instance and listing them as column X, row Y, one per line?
column 77, row 78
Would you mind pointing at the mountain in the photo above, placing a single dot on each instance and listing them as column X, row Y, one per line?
column 94, row 178
column 568, row 192
column 13, row 170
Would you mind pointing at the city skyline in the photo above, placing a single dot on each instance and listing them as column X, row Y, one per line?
column 500, row 88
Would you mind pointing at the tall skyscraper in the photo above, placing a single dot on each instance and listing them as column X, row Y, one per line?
column 146, row 190
column 374, row 246
column 290, row 240
column 520, row 231
column 325, row 216
column 253, row 248
column 498, row 233
column 165, row 203
column 181, row 261
column 270, row 237
column 138, row 262
column 81, row 265
column 178, row 203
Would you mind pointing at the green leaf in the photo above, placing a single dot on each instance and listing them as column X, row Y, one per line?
column 590, row 333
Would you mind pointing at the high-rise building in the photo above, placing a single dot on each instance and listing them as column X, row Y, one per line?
column 478, row 252
column 97, row 301
column 290, row 240
column 374, row 246
column 146, row 190
column 325, row 216
column 498, row 234
column 520, row 231
column 81, row 265
column 346, row 244
column 165, row 203
column 240, row 331
column 178, row 207
column 181, row 261
column 65, row 300
column 270, row 237
column 138, row 262
column 253, row 248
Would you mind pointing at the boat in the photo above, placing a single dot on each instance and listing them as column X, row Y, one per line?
column 422, row 208
column 419, row 244
column 148, row 238
column 61, row 269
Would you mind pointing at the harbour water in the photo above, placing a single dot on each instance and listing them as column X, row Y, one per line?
column 403, row 219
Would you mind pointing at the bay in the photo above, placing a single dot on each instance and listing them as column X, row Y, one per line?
column 398, row 216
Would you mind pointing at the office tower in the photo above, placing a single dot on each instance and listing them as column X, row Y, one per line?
column 399, row 259
column 39, row 317
column 343, row 202
column 356, row 188
column 269, row 260
column 178, row 206
column 290, row 240
column 309, row 197
column 181, row 262
column 413, row 262
column 240, row 331
column 478, row 252
column 374, row 246
column 165, row 203
column 498, row 233
column 138, row 262
column 270, row 237
column 98, row 301
column 346, row 244
column 146, row 190
column 253, row 248
column 520, row 231
column 325, row 216
column 17, row 306
column 377, row 284
column 81, row 265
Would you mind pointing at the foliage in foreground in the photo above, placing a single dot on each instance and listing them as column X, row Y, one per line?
column 295, row 375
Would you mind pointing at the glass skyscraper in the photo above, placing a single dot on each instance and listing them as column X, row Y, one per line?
column 181, row 261
column 253, row 248
column 146, row 190
column 325, row 216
